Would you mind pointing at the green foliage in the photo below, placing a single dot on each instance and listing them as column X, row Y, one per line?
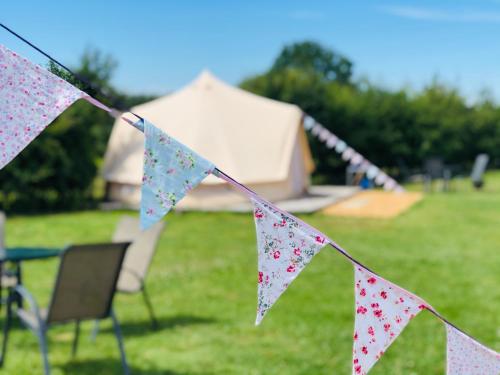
column 312, row 57
column 57, row 170
column 396, row 130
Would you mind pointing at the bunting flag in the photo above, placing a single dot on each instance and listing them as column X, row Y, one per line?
column 30, row 99
column 466, row 356
column 170, row 171
column 382, row 312
column 284, row 248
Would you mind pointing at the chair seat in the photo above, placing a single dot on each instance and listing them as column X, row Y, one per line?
column 28, row 318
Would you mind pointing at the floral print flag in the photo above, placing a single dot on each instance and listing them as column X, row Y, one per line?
column 170, row 171
column 466, row 356
column 284, row 248
column 381, row 313
column 30, row 99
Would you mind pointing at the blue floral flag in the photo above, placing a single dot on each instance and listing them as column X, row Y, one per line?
column 170, row 171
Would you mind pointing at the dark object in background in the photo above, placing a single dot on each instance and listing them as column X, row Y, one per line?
column 478, row 170
column 434, row 168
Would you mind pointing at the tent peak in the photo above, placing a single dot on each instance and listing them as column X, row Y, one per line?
column 206, row 78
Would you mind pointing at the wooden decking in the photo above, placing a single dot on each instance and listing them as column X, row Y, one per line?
column 374, row 204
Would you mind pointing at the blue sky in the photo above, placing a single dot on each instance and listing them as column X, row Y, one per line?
column 162, row 45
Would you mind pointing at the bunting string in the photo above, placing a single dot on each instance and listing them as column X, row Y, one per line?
column 388, row 304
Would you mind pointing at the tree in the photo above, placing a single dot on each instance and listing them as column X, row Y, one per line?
column 312, row 57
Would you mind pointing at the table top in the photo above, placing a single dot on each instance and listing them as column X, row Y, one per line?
column 17, row 254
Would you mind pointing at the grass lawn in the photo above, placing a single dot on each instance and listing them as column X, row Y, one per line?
column 203, row 283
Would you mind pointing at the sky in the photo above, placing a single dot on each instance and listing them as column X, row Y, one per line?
column 163, row 45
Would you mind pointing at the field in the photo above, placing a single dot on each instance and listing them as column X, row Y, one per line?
column 203, row 285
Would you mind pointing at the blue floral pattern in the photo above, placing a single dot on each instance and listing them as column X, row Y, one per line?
column 170, row 171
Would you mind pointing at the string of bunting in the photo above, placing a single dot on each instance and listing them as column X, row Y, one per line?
column 31, row 98
column 350, row 155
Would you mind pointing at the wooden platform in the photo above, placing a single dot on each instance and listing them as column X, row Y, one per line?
column 374, row 204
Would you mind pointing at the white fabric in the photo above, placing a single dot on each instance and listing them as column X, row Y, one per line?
column 466, row 356
column 382, row 311
column 284, row 248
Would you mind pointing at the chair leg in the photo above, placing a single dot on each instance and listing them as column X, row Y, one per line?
column 42, row 339
column 95, row 330
column 75, row 339
column 119, row 338
column 149, row 306
column 6, row 328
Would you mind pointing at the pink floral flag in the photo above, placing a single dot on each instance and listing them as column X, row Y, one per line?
column 382, row 312
column 30, row 99
column 466, row 356
column 284, row 248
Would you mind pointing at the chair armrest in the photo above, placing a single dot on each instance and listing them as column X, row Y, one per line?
column 28, row 297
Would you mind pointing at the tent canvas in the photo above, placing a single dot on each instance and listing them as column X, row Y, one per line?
column 259, row 141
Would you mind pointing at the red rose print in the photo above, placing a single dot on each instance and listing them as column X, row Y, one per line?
column 377, row 313
column 276, row 255
column 364, row 349
column 291, row 268
column 372, row 280
column 371, row 332
column 297, row 251
column 259, row 214
column 374, row 305
column 320, row 239
column 383, row 294
column 387, row 327
column 362, row 292
column 422, row 307
column 361, row 310
column 357, row 369
column 260, row 277
column 355, row 336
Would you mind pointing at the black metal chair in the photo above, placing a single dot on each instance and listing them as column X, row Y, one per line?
column 84, row 290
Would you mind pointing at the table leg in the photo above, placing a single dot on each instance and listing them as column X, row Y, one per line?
column 19, row 282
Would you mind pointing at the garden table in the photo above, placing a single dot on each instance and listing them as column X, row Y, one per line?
column 17, row 255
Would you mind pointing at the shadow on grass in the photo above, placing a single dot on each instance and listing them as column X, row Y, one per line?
column 108, row 367
column 144, row 327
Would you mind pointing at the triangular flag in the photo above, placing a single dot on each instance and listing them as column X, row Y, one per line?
column 284, row 248
column 466, row 356
column 382, row 312
column 170, row 171
column 30, row 99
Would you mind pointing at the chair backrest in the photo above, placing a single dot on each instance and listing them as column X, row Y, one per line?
column 2, row 236
column 139, row 254
column 86, row 282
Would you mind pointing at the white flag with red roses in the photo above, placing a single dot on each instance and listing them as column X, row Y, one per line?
column 284, row 248
column 382, row 312
column 30, row 99
column 466, row 356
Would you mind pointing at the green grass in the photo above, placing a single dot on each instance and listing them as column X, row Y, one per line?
column 203, row 284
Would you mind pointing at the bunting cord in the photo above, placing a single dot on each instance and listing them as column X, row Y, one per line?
column 220, row 174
